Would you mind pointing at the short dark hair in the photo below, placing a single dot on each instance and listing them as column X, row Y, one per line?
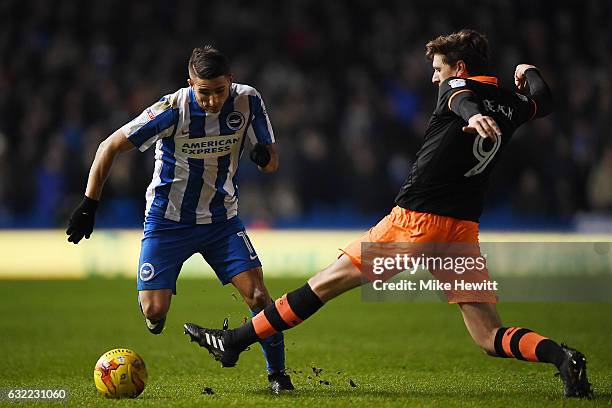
column 468, row 45
column 207, row 62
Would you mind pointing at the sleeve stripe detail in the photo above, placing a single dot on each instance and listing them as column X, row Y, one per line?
column 153, row 127
column 455, row 94
column 166, row 133
column 260, row 123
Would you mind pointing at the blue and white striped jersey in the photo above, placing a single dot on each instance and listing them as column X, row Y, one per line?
column 197, row 152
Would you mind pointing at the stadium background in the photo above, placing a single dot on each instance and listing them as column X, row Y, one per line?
column 348, row 91
column 347, row 88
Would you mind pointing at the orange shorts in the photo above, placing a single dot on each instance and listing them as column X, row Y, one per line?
column 424, row 229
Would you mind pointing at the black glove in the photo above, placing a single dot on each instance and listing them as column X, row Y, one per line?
column 260, row 155
column 82, row 220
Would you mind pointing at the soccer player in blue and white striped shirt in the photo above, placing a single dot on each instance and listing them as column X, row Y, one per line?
column 199, row 133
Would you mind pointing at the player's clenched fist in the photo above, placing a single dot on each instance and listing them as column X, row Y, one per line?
column 519, row 76
column 260, row 155
column 82, row 220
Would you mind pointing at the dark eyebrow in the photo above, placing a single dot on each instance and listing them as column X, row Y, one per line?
column 220, row 88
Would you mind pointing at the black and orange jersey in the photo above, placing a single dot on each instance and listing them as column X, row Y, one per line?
column 452, row 169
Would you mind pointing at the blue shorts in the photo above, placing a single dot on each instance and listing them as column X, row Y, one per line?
column 167, row 244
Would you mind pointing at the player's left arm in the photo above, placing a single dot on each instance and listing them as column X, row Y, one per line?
column 260, row 133
column 528, row 78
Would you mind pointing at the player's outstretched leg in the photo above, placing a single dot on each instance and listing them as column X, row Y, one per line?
column 288, row 311
column 484, row 325
column 154, row 305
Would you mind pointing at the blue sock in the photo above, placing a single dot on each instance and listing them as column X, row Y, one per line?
column 273, row 350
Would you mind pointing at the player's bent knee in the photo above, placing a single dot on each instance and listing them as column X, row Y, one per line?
column 154, row 311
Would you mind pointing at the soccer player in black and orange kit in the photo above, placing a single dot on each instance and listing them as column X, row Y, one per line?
column 440, row 202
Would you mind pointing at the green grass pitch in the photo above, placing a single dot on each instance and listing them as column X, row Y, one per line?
column 396, row 354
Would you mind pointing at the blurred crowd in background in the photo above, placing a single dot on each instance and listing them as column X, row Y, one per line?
column 347, row 88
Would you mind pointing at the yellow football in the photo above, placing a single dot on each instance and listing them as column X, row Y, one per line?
column 120, row 373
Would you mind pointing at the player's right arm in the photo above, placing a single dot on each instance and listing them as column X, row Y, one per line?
column 105, row 155
column 83, row 217
column 154, row 123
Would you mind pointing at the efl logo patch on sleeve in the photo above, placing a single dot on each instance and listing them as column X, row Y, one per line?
column 456, row 83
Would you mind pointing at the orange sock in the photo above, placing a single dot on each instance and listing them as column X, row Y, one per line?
column 288, row 311
column 524, row 344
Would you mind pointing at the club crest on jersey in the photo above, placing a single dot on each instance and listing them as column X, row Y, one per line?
column 147, row 271
column 235, row 120
column 456, row 83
